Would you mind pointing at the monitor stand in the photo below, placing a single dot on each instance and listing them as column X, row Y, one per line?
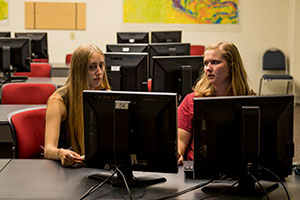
column 118, row 181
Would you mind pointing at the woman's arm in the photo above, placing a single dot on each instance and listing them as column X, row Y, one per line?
column 183, row 140
column 56, row 112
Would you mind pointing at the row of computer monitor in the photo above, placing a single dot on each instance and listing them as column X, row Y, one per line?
column 169, row 66
column 143, row 37
column 39, row 42
column 16, row 53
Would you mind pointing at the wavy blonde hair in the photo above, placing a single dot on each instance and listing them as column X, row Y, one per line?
column 239, row 84
column 76, row 83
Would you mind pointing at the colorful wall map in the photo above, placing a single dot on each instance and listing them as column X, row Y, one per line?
column 3, row 12
column 181, row 11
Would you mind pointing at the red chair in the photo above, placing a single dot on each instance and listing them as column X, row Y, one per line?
column 28, row 128
column 26, row 93
column 42, row 60
column 37, row 70
column 68, row 58
column 149, row 85
column 197, row 50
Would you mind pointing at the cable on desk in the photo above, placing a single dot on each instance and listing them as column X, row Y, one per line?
column 218, row 193
column 188, row 190
column 263, row 189
column 5, row 165
column 125, row 182
column 279, row 180
column 95, row 187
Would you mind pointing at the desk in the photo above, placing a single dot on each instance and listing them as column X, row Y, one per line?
column 45, row 179
column 6, row 139
column 3, row 163
column 59, row 81
column 59, row 69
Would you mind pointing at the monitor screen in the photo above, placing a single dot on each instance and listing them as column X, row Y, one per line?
column 165, row 36
column 39, row 43
column 125, row 48
column 132, row 37
column 5, row 34
column 127, row 71
column 167, row 49
column 230, row 132
column 15, row 55
column 134, row 131
column 176, row 73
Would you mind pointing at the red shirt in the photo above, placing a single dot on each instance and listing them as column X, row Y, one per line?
column 185, row 114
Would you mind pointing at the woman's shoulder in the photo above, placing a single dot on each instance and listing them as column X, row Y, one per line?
column 55, row 99
column 189, row 97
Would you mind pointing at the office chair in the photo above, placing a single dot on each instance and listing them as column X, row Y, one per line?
column 275, row 60
column 197, row 50
column 37, row 70
column 28, row 129
column 26, row 93
column 68, row 58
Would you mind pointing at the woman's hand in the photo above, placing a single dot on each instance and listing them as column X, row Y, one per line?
column 70, row 158
column 180, row 159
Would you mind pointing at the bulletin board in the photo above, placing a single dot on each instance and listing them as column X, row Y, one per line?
column 55, row 15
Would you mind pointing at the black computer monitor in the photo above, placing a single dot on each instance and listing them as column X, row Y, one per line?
column 127, row 71
column 15, row 55
column 132, row 37
column 125, row 48
column 39, row 43
column 239, row 136
column 5, row 34
column 134, row 131
column 165, row 36
column 166, row 49
column 176, row 73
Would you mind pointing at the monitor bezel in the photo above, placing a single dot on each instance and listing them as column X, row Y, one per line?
column 171, row 64
column 38, row 41
column 163, row 161
column 162, row 36
column 127, row 48
column 208, row 154
column 168, row 50
column 113, row 61
column 133, row 37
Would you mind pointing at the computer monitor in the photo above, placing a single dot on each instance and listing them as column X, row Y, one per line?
column 241, row 136
column 167, row 49
column 125, row 48
column 134, row 131
column 127, row 71
column 5, row 34
column 176, row 73
column 165, row 36
column 15, row 56
column 132, row 37
column 39, row 43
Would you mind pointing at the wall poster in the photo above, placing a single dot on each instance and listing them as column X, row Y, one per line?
column 181, row 11
column 3, row 12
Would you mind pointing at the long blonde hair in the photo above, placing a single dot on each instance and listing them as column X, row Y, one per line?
column 239, row 84
column 76, row 83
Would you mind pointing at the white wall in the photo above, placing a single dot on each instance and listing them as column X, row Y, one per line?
column 263, row 24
